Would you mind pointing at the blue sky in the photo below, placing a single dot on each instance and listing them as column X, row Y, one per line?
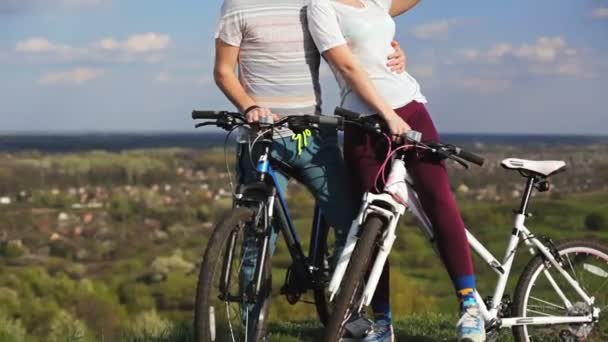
column 108, row 65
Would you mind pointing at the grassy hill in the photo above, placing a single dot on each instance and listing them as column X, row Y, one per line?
column 98, row 244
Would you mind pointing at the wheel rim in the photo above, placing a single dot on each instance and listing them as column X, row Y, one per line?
column 589, row 267
column 231, row 319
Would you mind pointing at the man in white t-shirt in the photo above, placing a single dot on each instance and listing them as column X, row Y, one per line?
column 278, row 73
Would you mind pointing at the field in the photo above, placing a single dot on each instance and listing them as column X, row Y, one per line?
column 106, row 245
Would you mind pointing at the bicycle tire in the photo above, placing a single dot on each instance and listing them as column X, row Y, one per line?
column 531, row 273
column 204, row 318
column 351, row 286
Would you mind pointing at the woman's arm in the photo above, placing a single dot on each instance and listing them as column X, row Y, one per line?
column 325, row 31
column 344, row 62
column 399, row 7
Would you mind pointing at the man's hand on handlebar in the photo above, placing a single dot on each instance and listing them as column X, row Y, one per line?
column 257, row 114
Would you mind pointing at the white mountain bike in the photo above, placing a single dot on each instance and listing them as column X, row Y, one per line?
column 559, row 296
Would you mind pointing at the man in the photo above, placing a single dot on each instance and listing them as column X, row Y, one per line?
column 278, row 74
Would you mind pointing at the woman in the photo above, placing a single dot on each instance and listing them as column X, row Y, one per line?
column 354, row 37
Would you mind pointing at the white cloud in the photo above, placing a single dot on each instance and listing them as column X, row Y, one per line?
column 440, row 29
column 545, row 49
column 433, row 30
column 600, row 12
column 108, row 44
column 147, row 47
column 147, row 42
column 75, row 77
column 162, row 77
column 136, row 43
column 39, row 44
column 546, row 56
column 40, row 48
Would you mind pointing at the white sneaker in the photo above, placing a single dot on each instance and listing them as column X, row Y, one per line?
column 471, row 326
column 381, row 331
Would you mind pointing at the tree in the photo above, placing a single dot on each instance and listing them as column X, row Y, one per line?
column 595, row 221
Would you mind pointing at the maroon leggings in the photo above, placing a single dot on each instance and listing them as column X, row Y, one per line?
column 364, row 153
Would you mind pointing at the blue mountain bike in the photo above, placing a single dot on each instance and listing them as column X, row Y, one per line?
column 233, row 292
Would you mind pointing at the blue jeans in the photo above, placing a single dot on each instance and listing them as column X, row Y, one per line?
column 321, row 168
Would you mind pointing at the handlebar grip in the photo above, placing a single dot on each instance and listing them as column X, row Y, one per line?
column 347, row 114
column 330, row 120
column 471, row 157
column 206, row 114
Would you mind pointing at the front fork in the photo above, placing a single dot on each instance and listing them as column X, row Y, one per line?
column 383, row 205
column 263, row 250
column 250, row 293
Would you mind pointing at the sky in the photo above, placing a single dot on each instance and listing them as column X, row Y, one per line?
column 140, row 66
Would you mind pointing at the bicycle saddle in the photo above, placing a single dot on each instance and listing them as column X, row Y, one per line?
column 544, row 168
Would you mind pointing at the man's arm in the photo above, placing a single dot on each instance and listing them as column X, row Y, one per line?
column 399, row 7
column 224, row 73
column 226, row 59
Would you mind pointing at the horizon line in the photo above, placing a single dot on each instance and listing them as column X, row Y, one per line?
column 219, row 132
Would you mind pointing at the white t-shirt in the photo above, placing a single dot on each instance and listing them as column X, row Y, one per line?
column 278, row 62
column 368, row 31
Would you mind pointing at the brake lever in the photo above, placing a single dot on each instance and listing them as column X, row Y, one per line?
column 459, row 160
column 199, row 125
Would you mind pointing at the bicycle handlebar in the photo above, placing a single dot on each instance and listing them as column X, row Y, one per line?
column 469, row 156
column 208, row 114
column 445, row 150
column 228, row 120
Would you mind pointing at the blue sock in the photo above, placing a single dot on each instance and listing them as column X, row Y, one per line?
column 465, row 288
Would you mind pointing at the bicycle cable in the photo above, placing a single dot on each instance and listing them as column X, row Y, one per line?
column 252, row 145
column 226, row 156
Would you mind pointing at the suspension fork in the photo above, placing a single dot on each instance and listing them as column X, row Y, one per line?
column 392, row 216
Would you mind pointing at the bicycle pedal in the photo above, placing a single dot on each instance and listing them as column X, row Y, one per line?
column 293, row 298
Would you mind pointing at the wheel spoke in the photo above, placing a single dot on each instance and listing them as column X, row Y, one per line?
column 539, row 313
column 230, row 321
column 548, row 303
column 601, row 286
column 574, row 274
column 549, row 293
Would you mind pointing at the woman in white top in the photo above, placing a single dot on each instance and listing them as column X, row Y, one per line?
column 354, row 37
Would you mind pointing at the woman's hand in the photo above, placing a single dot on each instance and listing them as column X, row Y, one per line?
column 397, row 126
column 397, row 61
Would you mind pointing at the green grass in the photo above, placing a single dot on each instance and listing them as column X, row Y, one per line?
column 416, row 328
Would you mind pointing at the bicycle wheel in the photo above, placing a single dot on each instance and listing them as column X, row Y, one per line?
column 221, row 311
column 586, row 262
column 353, row 283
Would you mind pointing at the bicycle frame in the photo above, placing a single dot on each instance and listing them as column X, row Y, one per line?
column 385, row 205
column 276, row 211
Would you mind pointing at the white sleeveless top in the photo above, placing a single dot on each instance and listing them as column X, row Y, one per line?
column 368, row 31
